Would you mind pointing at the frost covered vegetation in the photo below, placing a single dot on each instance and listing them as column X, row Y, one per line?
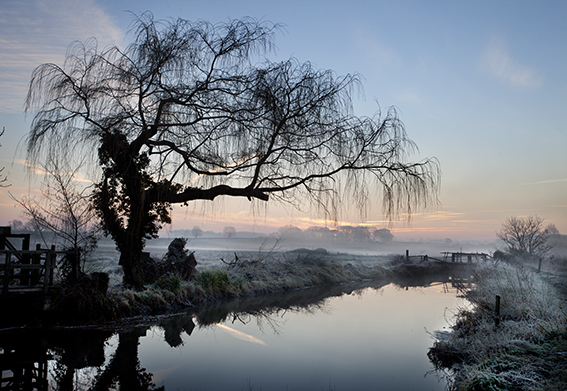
column 524, row 349
column 239, row 278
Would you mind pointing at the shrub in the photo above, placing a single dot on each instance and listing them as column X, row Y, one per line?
column 84, row 301
column 170, row 282
column 215, row 282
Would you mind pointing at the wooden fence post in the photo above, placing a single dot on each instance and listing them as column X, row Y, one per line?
column 497, row 311
column 7, row 272
column 25, row 273
column 35, row 260
column 50, row 262
column 53, row 264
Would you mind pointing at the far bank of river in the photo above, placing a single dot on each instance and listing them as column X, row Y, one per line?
column 253, row 273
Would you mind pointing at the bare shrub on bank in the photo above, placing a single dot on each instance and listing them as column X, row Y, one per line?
column 525, row 236
column 63, row 216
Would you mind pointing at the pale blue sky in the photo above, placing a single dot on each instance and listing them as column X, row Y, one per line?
column 481, row 85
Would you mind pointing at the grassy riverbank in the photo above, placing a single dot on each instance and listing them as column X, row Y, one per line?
column 524, row 349
column 239, row 278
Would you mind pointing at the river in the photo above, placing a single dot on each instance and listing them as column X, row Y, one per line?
column 360, row 337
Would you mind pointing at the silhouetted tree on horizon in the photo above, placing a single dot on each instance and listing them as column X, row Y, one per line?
column 383, row 235
column 289, row 232
column 197, row 232
column 190, row 111
column 229, row 231
column 525, row 236
column 551, row 229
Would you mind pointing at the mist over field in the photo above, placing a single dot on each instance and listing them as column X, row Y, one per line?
column 250, row 243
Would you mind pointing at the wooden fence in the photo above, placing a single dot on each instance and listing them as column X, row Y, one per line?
column 24, row 362
column 27, row 270
column 461, row 256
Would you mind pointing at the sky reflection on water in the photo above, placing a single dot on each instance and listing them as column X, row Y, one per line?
column 368, row 340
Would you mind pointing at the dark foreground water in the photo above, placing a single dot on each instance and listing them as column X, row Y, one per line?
column 360, row 338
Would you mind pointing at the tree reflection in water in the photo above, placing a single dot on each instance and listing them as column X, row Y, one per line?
column 77, row 360
column 124, row 367
column 76, row 356
column 174, row 327
column 73, row 350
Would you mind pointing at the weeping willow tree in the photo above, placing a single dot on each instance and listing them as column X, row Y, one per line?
column 3, row 178
column 189, row 112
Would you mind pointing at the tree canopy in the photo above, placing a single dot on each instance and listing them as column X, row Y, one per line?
column 525, row 236
column 192, row 111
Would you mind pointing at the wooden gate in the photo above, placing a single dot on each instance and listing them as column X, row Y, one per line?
column 24, row 270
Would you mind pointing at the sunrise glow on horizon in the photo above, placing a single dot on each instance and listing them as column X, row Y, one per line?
column 481, row 86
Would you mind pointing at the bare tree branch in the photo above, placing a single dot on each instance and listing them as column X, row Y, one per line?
column 525, row 236
column 3, row 178
column 63, row 215
column 188, row 111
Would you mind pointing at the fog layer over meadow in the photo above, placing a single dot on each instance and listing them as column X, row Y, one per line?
column 212, row 246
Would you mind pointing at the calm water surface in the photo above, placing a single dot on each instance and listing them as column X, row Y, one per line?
column 360, row 338
column 368, row 340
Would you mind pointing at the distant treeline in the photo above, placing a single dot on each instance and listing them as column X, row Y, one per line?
column 342, row 233
column 345, row 233
column 348, row 233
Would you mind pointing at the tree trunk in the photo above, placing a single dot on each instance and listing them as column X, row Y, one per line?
column 131, row 250
column 131, row 263
column 129, row 237
column 128, row 226
column 124, row 367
